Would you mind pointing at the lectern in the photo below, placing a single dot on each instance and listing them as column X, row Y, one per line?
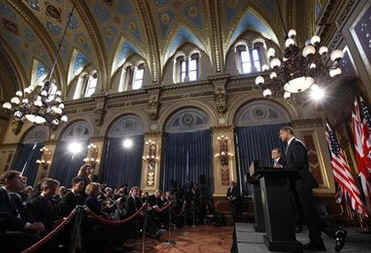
column 257, row 197
column 278, row 209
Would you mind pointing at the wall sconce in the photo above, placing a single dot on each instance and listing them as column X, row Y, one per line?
column 92, row 158
column 45, row 159
column 223, row 154
column 151, row 158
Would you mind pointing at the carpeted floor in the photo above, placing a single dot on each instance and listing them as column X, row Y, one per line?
column 201, row 239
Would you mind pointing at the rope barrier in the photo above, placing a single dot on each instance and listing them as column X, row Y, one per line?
column 51, row 234
column 114, row 222
column 160, row 210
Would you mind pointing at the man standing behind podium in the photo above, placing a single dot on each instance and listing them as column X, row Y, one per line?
column 297, row 159
column 233, row 194
column 278, row 161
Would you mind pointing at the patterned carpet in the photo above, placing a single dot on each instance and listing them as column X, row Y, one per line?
column 201, row 239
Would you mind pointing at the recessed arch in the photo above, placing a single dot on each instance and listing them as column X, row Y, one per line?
column 250, row 20
column 39, row 72
column 126, row 125
column 77, row 130
column 78, row 62
column 179, row 37
column 188, row 119
column 36, row 134
column 124, row 50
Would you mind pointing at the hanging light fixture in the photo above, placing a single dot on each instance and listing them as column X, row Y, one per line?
column 299, row 67
column 40, row 104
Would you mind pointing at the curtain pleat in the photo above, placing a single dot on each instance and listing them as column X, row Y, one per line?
column 123, row 166
column 25, row 160
column 65, row 164
column 186, row 156
column 256, row 143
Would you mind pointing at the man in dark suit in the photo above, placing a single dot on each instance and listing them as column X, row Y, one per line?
column 17, row 232
column 43, row 208
column 73, row 198
column 278, row 160
column 297, row 159
column 233, row 194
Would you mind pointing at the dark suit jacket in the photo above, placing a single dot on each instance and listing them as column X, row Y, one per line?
column 93, row 204
column 234, row 193
column 297, row 159
column 133, row 205
column 10, row 217
column 69, row 202
column 44, row 210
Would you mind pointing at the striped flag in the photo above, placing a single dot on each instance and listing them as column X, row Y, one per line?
column 343, row 175
column 362, row 144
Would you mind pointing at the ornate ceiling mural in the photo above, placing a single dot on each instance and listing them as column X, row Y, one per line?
column 20, row 37
column 118, row 19
column 113, row 30
column 53, row 14
column 177, row 22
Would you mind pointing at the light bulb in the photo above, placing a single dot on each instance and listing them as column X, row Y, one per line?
column 275, row 62
column 308, row 50
column 7, row 105
column 312, row 66
column 18, row 114
column 64, row 118
column 44, row 93
column 40, row 120
column 127, row 143
column 25, row 101
column 316, row 92
column 265, row 67
column 27, row 90
column 259, row 80
column 315, row 39
column 291, row 33
column 273, row 75
column 30, row 117
column 286, row 95
column 55, row 122
column 58, row 93
column 267, row 93
column 289, row 42
column 19, row 93
column 271, row 52
column 15, row 100
column 323, row 50
column 61, row 106
column 336, row 55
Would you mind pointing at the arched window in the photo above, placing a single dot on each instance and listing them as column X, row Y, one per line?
column 250, row 59
column 86, row 85
column 187, row 68
column 138, row 77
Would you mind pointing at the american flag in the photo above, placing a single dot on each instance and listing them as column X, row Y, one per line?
column 362, row 144
column 343, row 175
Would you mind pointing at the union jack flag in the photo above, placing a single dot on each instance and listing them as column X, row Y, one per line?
column 343, row 175
column 362, row 143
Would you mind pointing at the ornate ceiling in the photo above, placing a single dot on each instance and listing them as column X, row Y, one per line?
column 104, row 33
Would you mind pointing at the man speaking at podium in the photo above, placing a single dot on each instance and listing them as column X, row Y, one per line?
column 297, row 159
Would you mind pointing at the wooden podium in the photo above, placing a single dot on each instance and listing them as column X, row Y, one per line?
column 278, row 209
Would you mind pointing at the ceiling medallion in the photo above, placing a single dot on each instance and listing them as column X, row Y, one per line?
column 299, row 68
column 40, row 104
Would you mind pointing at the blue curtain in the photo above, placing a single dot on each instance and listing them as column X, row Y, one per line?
column 256, row 143
column 65, row 164
column 25, row 160
column 186, row 156
column 123, row 166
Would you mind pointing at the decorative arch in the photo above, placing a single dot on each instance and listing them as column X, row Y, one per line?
column 260, row 112
column 124, row 50
column 77, row 131
column 77, row 64
column 126, row 125
column 252, row 20
column 37, row 134
column 206, row 108
column 187, row 120
column 39, row 72
column 241, row 101
column 181, row 36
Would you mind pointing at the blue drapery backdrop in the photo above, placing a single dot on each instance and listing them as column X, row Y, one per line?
column 25, row 160
column 123, row 166
column 186, row 156
column 65, row 164
column 256, row 143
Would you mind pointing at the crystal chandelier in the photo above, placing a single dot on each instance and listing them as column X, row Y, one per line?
column 299, row 68
column 40, row 104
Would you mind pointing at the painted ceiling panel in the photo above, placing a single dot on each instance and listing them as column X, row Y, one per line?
column 118, row 18
column 21, row 38
column 125, row 50
column 53, row 14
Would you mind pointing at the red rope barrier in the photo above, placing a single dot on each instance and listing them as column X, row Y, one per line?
column 160, row 210
column 114, row 222
column 51, row 234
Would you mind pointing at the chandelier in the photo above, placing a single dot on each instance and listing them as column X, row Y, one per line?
column 41, row 104
column 299, row 68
